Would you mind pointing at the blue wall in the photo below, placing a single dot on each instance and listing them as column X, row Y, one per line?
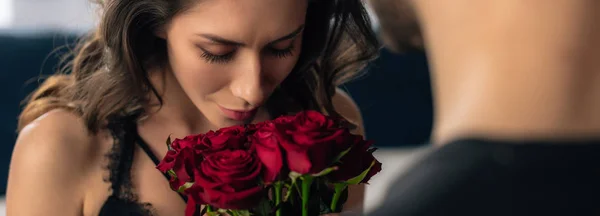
column 395, row 99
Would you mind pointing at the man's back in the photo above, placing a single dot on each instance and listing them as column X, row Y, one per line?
column 513, row 68
column 504, row 72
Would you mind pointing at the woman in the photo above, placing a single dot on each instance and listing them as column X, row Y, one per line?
column 160, row 67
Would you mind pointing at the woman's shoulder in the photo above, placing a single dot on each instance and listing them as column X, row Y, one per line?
column 57, row 149
column 58, row 127
column 345, row 106
column 59, row 137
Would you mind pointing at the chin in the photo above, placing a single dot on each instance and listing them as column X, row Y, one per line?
column 219, row 120
column 227, row 122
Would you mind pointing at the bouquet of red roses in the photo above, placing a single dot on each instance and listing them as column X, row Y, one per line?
column 292, row 165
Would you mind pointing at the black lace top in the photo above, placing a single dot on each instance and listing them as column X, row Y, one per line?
column 123, row 201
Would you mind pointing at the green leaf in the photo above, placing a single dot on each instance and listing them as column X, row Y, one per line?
column 325, row 171
column 169, row 143
column 185, row 186
column 294, row 177
column 243, row 212
column 213, row 213
column 172, row 173
column 359, row 178
column 289, row 191
column 307, row 178
column 341, row 155
column 231, row 213
column 298, row 189
column 339, row 189
column 371, row 150
column 264, row 207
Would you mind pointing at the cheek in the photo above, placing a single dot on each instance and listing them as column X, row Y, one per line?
column 196, row 77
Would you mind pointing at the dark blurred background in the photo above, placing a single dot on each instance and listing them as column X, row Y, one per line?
column 394, row 96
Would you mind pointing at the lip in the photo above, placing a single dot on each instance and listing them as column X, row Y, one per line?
column 239, row 115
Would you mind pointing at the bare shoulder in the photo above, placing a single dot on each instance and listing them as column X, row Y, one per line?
column 56, row 130
column 54, row 120
column 345, row 106
column 57, row 149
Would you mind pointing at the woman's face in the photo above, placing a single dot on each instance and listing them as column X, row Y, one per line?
column 229, row 56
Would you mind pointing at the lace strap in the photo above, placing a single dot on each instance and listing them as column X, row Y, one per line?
column 140, row 142
column 121, row 156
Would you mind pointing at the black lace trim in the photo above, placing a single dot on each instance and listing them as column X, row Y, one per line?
column 120, row 162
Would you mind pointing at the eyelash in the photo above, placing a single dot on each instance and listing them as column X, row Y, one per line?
column 218, row 59
column 282, row 53
column 222, row 59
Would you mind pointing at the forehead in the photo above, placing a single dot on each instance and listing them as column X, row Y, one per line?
column 243, row 18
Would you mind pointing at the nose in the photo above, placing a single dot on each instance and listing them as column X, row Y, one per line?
column 248, row 83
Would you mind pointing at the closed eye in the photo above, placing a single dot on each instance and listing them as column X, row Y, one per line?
column 225, row 58
column 282, row 53
column 214, row 58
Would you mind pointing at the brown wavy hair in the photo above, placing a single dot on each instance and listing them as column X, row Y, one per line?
column 107, row 76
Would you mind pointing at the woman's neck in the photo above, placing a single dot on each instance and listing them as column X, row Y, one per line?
column 177, row 115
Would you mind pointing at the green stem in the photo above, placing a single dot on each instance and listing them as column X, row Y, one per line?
column 209, row 208
column 334, row 202
column 306, row 182
column 339, row 189
column 278, row 188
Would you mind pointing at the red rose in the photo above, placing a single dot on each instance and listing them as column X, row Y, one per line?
column 356, row 161
column 191, row 207
column 187, row 142
column 182, row 162
column 229, row 179
column 225, row 138
column 310, row 140
column 251, row 128
column 268, row 150
column 195, row 197
column 233, row 137
column 284, row 119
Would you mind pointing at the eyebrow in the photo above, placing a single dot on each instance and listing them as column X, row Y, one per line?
column 221, row 40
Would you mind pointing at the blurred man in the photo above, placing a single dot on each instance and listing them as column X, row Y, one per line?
column 517, row 108
column 398, row 26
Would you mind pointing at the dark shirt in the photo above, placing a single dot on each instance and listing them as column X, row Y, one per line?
column 485, row 177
